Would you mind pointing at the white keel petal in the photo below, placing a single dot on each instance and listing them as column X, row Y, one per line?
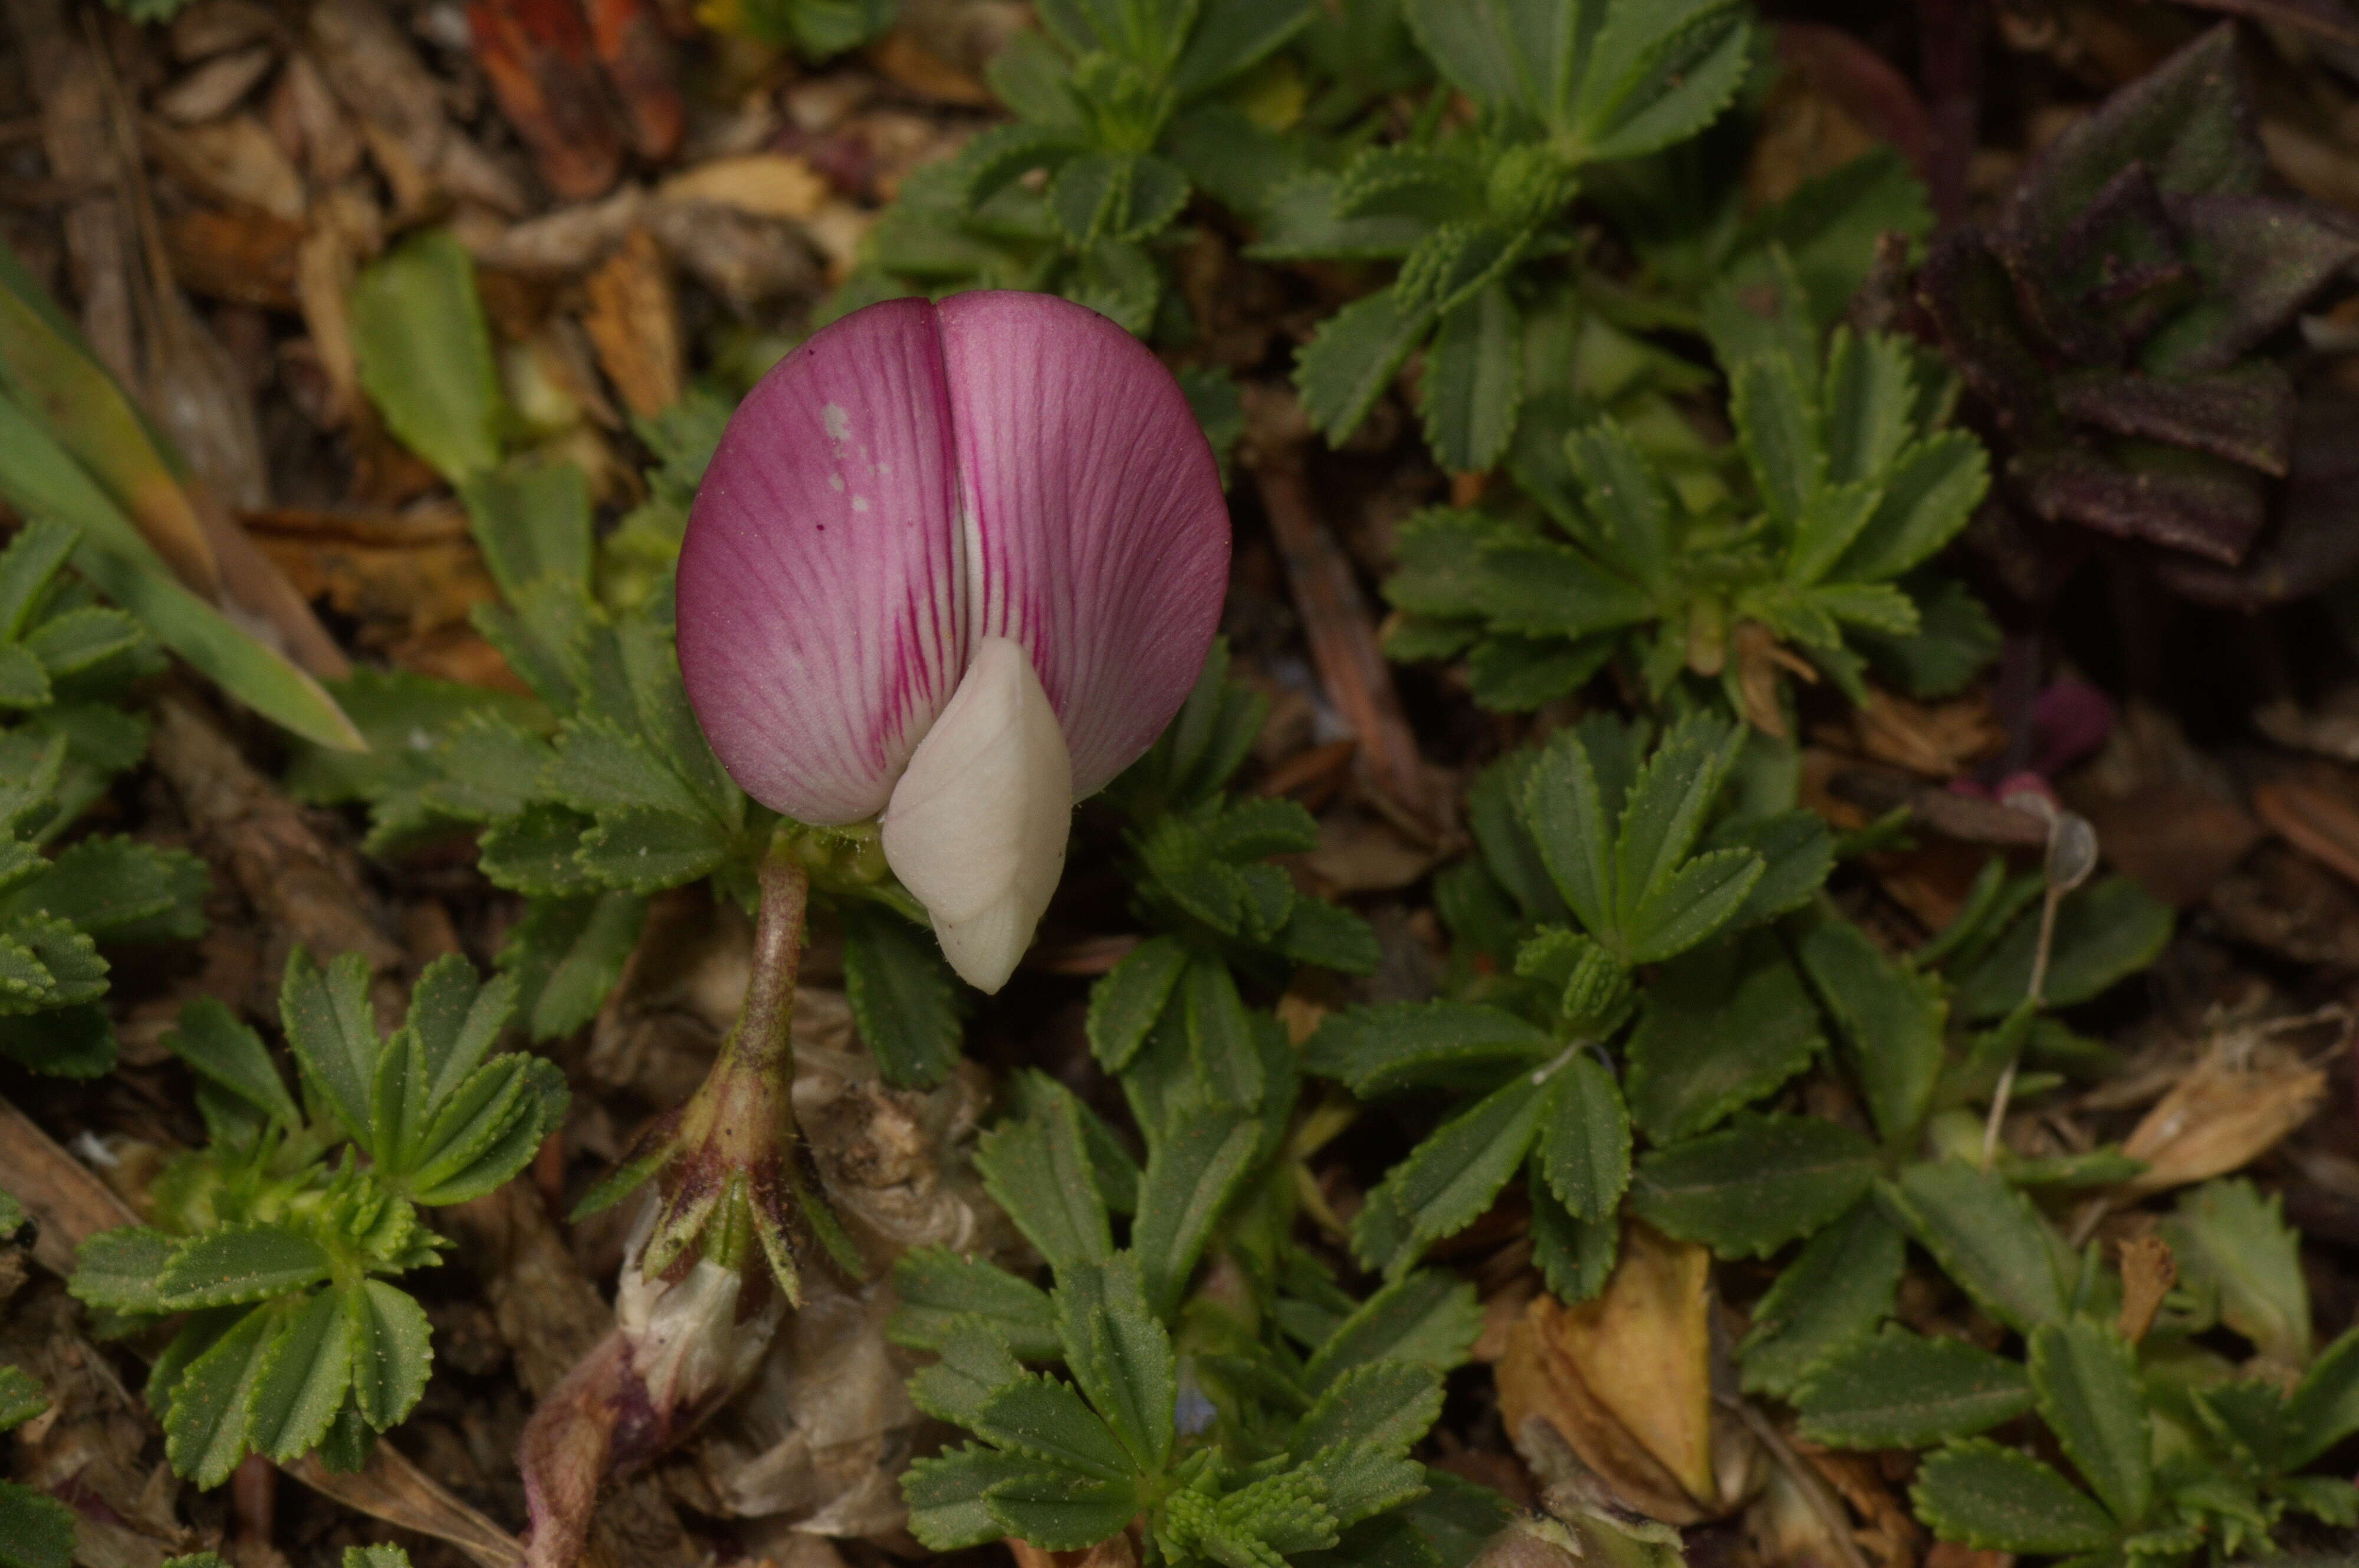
column 976, row 827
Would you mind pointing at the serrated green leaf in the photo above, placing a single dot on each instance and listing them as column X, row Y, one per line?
column 1900, row 1390
column 1658, row 74
column 533, row 524
column 1890, row 1019
column 2104, row 934
column 21, row 1397
column 393, row 1351
column 1776, row 417
column 35, row 1531
column 2323, row 1408
column 2087, row 1381
column 1842, row 1283
column 945, row 1495
column 567, row 954
column 304, row 1377
column 118, row 1270
column 1474, row 383
column 1584, row 1148
column 1061, row 1512
column 331, row 1029
column 1925, row 497
column 1755, row 1185
column 1343, row 369
column 1383, row 1050
column 903, row 995
column 1426, row 1318
column 2226, row 1236
column 1388, row 1405
column 974, row 1367
column 205, row 1433
column 210, row 1041
column 1192, row 1172
column 1573, row 1255
column 1449, row 1179
column 1046, row 1420
column 240, row 1263
column 641, row 851
column 1361, row 1480
column 1120, row 1355
column 1038, row 1170
column 119, row 889
column 938, row 1287
column 1701, row 897
column 1980, row 1495
column 1986, row 1235
column 488, row 1130
column 1565, row 812
column 1724, row 1025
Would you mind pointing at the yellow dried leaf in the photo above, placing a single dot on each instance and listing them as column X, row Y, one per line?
column 765, row 184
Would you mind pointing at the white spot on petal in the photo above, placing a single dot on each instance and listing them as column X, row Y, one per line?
column 976, row 827
column 835, row 482
column 860, row 503
column 838, row 422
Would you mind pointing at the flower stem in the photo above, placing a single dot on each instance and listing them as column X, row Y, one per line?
column 730, row 1180
column 763, row 1039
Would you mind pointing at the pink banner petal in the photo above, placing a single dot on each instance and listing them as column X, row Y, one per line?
column 916, row 478
column 822, row 626
column 1096, row 510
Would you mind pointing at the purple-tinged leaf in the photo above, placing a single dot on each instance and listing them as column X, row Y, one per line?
column 2244, row 415
column 2143, row 490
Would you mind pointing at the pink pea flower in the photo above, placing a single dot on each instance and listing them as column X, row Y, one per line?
column 954, row 566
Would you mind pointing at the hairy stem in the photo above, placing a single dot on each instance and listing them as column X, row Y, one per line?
column 762, row 1041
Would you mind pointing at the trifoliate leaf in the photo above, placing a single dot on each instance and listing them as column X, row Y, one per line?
column 1900, row 1390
